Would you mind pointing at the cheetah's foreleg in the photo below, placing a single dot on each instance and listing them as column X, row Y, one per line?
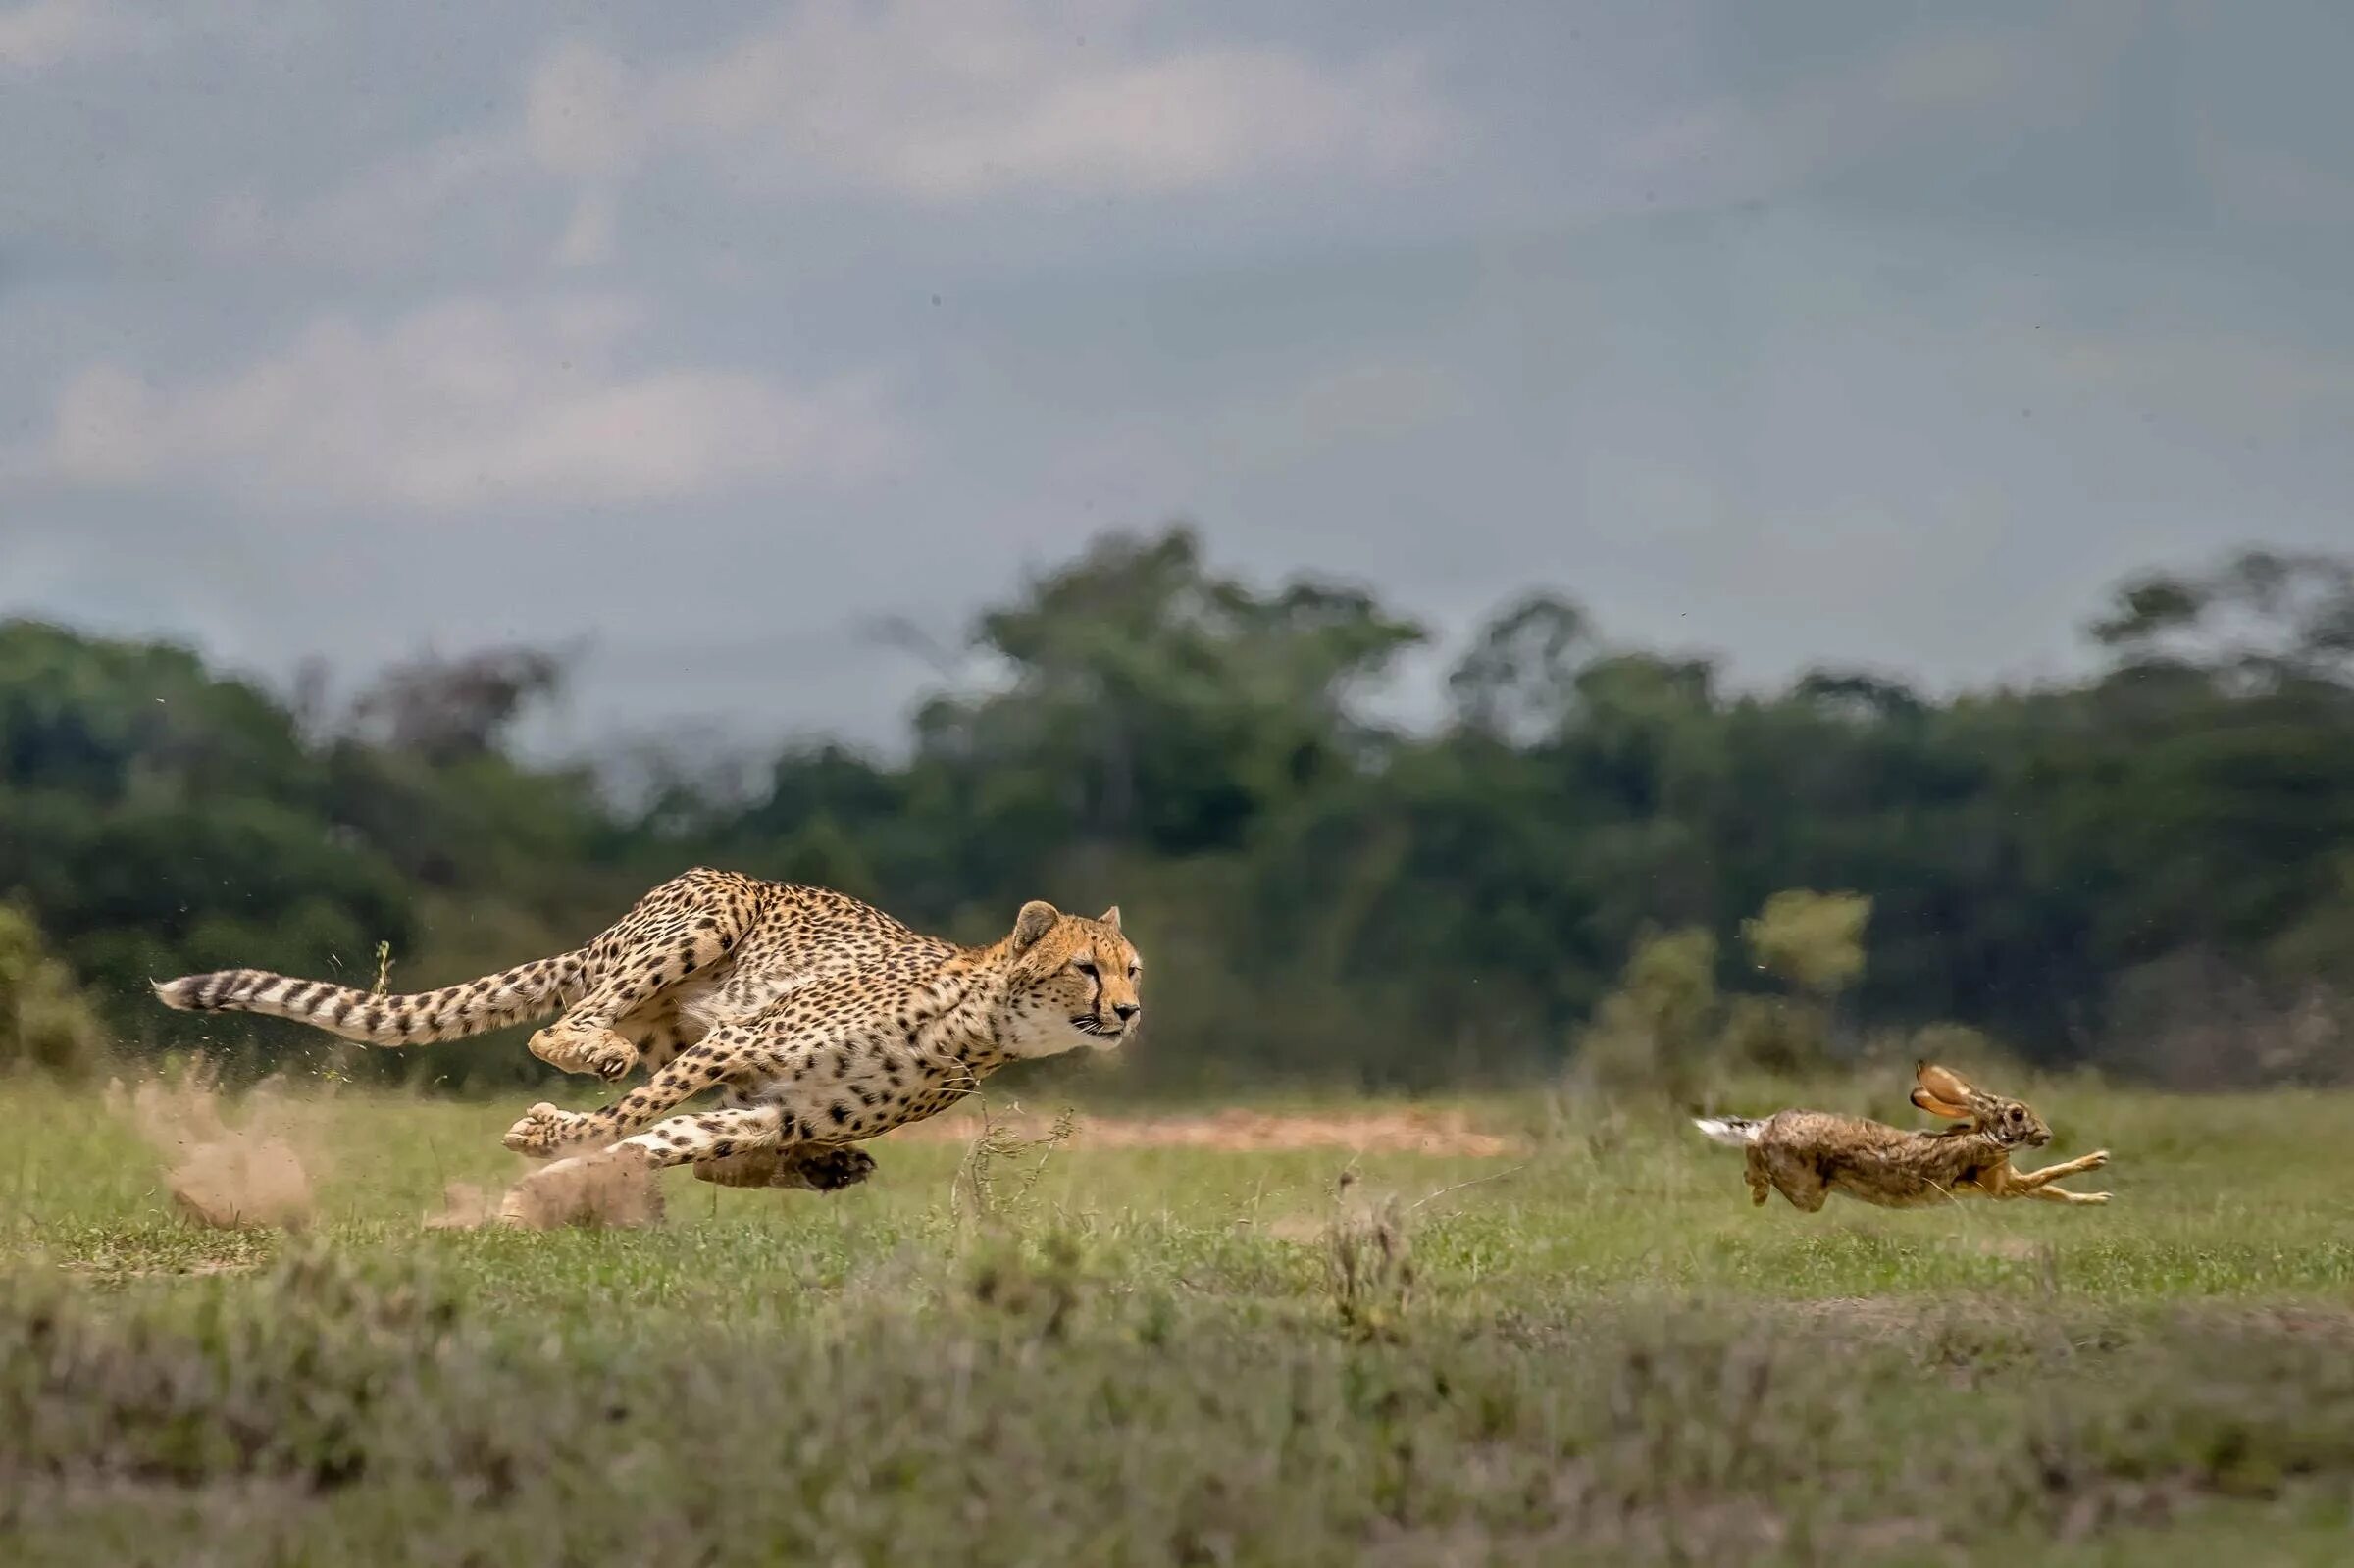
column 697, row 1137
column 544, row 1130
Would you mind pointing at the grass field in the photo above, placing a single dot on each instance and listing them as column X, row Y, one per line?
column 1142, row 1355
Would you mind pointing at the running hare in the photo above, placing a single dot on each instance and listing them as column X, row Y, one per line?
column 1808, row 1155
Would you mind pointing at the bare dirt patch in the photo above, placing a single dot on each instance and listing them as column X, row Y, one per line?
column 1404, row 1130
column 228, row 1167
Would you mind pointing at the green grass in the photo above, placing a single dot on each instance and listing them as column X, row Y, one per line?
column 1606, row 1356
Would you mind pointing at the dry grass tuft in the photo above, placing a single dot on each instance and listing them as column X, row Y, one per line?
column 1369, row 1261
column 975, row 1192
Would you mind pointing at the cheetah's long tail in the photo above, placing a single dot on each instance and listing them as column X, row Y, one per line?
column 423, row 1018
column 1736, row 1131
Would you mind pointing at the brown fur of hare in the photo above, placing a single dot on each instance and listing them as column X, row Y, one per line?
column 1808, row 1155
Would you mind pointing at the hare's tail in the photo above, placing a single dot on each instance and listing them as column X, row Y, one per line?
column 1735, row 1132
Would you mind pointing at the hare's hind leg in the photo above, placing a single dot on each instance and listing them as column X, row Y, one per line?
column 1795, row 1178
column 1760, row 1184
column 1808, row 1195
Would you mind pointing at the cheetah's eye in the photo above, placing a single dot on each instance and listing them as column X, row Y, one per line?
column 1135, row 970
column 1087, row 966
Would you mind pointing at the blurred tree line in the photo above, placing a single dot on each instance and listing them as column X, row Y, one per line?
column 2152, row 868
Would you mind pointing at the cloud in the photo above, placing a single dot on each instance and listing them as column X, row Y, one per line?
column 1374, row 398
column 1950, row 83
column 933, row 102
column 1140, row 461
column 2216, row 381
column 2272, row 184
column 47, row 33
column 588, row 238
column 381, row 220
column 458, row 406
column 951, row 101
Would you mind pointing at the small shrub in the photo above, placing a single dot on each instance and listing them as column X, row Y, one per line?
column 1035, row 1291
column 1656, row 1032
column 1774, row 1034
column 1812, row 940
column 45, row 1021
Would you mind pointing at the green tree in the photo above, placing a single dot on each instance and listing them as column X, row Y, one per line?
column 1150, row 701
column 2068, row 867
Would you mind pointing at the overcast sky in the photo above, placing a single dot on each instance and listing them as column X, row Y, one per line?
column 1870, row 332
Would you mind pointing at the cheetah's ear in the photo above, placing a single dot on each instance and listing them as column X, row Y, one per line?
column 1036, row 917
column 1111, row 918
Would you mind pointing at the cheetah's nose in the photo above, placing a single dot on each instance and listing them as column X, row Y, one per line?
column 1126, row 1010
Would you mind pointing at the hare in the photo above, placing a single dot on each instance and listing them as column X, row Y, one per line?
column 1808, row 1155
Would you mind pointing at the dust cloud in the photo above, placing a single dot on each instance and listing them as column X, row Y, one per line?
column 250, row 1166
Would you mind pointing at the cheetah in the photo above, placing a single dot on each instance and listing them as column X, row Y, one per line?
column 829, row 1060
column 779, row 978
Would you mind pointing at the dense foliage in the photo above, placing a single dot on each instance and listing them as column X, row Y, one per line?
column 2153, row 867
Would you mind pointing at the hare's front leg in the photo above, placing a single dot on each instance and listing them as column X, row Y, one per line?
column 2057, row 1194
column 2037, row 1184
column 2029, row 1180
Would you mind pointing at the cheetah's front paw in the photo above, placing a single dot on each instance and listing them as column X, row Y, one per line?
column 2096, row 1159
column 543, row 1130
column 585, row 1050
column 611, row 1058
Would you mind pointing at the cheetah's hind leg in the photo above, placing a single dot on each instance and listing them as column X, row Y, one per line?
column 813, row 1168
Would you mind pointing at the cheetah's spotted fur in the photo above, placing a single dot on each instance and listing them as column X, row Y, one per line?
column 820, row 1019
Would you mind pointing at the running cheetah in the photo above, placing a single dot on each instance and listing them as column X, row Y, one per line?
column 822, row 1020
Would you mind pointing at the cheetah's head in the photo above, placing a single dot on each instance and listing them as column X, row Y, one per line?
column 1073, row 982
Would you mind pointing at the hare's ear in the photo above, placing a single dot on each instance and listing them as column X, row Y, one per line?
column 1937, row 1107
column 1944, row 1084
